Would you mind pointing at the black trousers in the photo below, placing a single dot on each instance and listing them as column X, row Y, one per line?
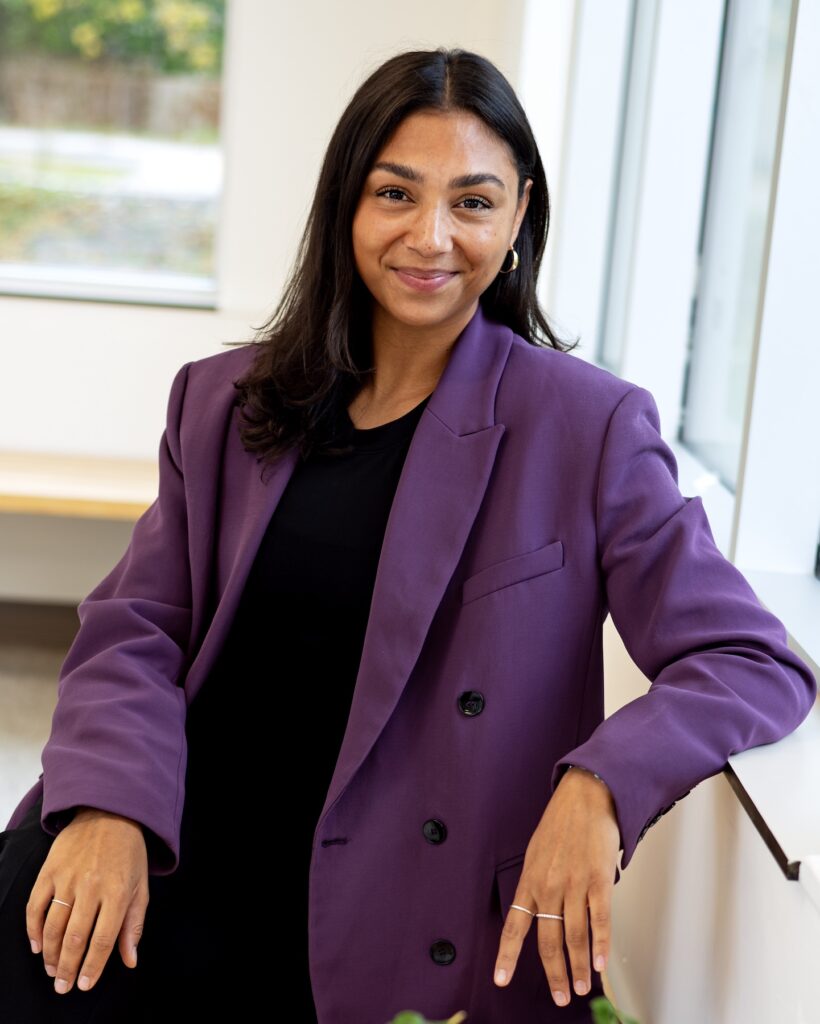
column 210, row 942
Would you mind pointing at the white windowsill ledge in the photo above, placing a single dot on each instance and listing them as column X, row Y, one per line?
column 777, row 783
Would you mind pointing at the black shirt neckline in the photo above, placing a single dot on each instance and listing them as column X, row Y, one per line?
column 385, row 435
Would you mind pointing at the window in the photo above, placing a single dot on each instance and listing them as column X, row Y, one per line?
column 736, row 215
column 110, row 160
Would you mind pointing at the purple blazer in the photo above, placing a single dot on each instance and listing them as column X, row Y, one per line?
column 536, row 497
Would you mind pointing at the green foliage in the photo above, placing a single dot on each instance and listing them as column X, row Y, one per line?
column 411, row 1017
column 603, row 1012
column 166, row 35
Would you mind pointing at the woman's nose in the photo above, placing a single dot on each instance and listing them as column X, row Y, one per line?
column 430, row 232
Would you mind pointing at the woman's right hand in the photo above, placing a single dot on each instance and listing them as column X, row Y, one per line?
column 98, row 862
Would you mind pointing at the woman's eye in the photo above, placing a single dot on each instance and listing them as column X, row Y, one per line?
column 477, row 199
column 392, row 191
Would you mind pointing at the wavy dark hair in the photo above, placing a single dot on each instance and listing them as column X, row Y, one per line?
column 315, row 349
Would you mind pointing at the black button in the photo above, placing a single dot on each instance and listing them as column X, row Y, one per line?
column 651, row 822
column 471, row 702
column 647, row 827
column 658, row 816
column 435, row 831
column 443, row 952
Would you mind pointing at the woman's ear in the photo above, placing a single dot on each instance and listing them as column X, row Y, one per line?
column 522, row 209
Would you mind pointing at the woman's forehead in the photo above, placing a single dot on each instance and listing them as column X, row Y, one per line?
column 425, row 138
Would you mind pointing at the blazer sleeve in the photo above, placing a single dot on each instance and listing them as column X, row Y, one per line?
column 117, row 737
column 722, row 676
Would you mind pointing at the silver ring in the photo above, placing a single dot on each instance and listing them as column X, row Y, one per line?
column 558, row 917
column 63, row 903
column 514, row 906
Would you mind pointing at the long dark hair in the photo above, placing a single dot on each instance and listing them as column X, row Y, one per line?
column 316, row 347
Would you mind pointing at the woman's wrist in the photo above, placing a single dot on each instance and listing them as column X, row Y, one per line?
column 84, row 812
column 589, row 771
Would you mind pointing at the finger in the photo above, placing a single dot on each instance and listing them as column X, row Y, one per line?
column 551, row 947
column 132, row 927
column 576, row 937
column 75, row 940
column 37, row 907
column 114, row 921
column 516, row 925
column 56, row 917
column 600, row 918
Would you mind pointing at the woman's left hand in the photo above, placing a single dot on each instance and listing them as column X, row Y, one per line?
column 569, row 864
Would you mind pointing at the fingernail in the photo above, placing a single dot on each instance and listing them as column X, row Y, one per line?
column 61, row 985
column 500, row 976
column 581, row 987
column 599, row 962
column 84, row 982
column 35, row 948
column 50, row 971
column 559, row 997
column 134, row 953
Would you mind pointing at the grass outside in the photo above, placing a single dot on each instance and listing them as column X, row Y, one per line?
column 58, row 226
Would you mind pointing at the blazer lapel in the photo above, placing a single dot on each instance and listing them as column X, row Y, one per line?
column 439, row 493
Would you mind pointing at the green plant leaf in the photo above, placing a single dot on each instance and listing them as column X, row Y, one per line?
column 412, row 1017
column 603, row 1012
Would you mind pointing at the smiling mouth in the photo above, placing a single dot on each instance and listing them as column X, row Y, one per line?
column 425, row 280
column 425, row 275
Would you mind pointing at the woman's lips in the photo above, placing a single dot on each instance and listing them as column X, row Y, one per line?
column 423, row 284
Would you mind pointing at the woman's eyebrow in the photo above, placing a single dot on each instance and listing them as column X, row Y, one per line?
column 463, row 181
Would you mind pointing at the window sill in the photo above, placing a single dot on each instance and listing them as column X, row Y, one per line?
column 100, row 284
column 777, row 785
column 83, row 486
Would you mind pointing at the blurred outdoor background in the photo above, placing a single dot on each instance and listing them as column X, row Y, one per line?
column 109, row 137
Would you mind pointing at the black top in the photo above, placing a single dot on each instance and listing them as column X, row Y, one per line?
column 283, row 683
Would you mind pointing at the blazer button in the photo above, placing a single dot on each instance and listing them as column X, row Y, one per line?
column 650, row 823
column 443, row 952
column 435, row 831
column 471, row 702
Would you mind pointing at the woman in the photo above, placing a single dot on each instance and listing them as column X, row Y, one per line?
column 367, row 691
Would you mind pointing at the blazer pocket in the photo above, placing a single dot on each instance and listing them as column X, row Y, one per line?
column 507, row 876
column 513, row 570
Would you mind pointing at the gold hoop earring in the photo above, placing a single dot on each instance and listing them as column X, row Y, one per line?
column 514, row 262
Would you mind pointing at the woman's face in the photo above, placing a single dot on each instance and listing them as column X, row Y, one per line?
column 427, row 244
